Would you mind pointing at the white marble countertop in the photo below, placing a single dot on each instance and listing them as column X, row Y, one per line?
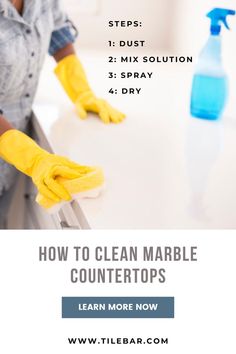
column 163, row 168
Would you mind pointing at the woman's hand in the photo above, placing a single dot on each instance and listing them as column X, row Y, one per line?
column 44, row 168
column 88, row 102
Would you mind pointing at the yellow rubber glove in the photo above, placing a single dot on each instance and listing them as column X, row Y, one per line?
column 44, row 168
column 88, row 185
column 73, row 78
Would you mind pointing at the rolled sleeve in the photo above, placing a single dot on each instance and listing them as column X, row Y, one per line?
column 63, row 36
column 64, row 30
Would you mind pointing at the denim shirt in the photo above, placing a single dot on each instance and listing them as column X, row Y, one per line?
column 24, row 42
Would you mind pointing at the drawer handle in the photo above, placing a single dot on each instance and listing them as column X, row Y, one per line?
column 66, row 226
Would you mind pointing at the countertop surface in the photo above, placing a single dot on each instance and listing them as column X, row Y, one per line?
column 163, row 168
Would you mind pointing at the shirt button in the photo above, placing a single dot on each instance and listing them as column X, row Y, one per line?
column 32, row 54
column 27, row 95
column 28, row 31
column 1, row 111
column 30, row 76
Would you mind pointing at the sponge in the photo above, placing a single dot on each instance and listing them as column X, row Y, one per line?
column 88, row 185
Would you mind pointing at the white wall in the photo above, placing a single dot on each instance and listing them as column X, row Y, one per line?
column 92, row 16
column 179, row 26
column 192, row 25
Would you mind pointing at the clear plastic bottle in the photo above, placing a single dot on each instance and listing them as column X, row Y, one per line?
column 210, row 83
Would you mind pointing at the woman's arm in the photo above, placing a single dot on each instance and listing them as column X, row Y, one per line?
column 4, row 125
column 64, row 52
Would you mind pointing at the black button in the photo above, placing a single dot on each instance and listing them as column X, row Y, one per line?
column 1, row 111
column 28, row 31
column 32, row 54
column 30, row 76
column 27, row 95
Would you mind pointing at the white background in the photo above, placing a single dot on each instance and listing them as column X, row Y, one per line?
column 30, row 300
column 169, row 25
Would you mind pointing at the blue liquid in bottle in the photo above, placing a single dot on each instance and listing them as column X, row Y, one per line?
column 209, row 96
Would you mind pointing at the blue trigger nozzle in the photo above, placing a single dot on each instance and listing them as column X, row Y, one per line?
column 219, row 16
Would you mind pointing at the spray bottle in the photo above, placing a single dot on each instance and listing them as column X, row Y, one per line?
column 210, row 83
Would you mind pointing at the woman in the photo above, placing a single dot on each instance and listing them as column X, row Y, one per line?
column 28, row 30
